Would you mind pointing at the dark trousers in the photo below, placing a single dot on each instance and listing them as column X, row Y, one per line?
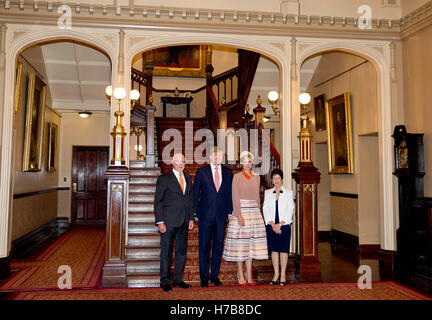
column 177, row 235
column 211, row 237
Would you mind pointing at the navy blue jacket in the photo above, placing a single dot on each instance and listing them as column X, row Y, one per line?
column 211, row 205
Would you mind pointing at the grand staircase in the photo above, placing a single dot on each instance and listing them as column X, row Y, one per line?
column 143, row 245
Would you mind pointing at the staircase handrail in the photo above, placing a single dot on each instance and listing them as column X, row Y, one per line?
column 224, row 75
column 273, row 149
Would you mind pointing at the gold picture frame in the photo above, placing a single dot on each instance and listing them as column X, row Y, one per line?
column 340, row 149
column 18, row 76
column 179, row 61
column 34, row 120
column 52, row 146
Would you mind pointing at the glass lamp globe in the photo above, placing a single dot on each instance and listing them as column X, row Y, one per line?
column 119, row 93
column 108, row 91
column 273, row 96
column 304, row 98
column 134, row 94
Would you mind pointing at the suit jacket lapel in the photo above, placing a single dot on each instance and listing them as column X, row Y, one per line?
column 210, row 177
column 175, row 181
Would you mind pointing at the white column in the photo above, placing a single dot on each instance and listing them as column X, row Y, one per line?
column 4, row 211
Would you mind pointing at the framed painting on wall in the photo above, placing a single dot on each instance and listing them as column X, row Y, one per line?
column 34, row 120
column 18, row 73
column 338, row 116
column 180, row 61
column 320, row 113
column 52, row 146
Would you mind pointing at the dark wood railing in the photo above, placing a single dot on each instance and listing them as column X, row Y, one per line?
column 275, row 161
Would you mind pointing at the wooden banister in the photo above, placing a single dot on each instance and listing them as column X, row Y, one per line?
column 273, row 149
column 225, row 75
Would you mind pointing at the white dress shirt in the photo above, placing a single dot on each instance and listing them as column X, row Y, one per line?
column 213, row 169
column 177, row 174
column 286, row 205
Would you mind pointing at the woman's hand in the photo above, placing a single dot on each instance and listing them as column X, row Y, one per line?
column 276, row 228
column 241, row 221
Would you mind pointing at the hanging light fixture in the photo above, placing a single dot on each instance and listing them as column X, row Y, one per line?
column 85, row 114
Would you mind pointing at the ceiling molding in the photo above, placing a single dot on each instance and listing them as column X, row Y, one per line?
column 186, row 19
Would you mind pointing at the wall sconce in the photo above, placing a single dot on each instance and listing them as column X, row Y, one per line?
column 85, row 114
column 273, row 97
column 304, row 99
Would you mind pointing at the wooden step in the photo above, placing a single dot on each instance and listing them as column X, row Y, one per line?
column 147, row 218
column 142, row 229
column 143, row 180
column 143, row 241
column 141, row 198
column 144, row 172
column 141, row 281
column 142, row 188
column 141, row 207
column 139, row 254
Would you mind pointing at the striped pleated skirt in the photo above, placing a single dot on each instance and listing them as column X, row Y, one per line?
column 249, row 241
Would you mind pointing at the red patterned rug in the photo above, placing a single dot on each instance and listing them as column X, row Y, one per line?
column 309, row 291
column 82, row 249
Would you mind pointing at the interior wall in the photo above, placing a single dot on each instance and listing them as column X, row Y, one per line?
column 76, row 131
column 321, row 162
column 418, row 94
column 31, row 212
column 337, row 73
column 369, row 190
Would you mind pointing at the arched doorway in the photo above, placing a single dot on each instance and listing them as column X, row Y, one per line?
column 44, row 179
column 336, row 69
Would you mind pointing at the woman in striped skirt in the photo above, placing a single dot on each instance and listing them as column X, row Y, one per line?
column 246, row 236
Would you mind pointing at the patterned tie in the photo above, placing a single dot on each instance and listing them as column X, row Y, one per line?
column 181, row 182
column 217, row 180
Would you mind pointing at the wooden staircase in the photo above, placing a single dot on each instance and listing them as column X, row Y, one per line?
column 143, row 245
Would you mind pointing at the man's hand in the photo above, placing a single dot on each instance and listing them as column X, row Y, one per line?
column 162, row 227
column 191, row 224
column 196, row 219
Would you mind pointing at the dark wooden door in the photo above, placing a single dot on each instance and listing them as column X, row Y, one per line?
column 89, row 187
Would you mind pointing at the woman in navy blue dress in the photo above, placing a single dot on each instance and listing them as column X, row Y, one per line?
column 278, row 209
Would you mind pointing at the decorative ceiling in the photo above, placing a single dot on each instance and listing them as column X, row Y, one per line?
column 77, row 76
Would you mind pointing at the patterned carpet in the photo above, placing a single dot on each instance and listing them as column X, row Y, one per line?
column 82, row 248
column 310, row 291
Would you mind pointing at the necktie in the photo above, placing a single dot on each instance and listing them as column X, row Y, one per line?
column 181, row 182
column 217, row 180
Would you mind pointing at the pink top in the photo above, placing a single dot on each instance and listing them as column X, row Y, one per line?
column 244, row 189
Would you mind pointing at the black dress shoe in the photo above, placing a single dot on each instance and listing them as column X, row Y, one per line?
column 181, row 284
column 204, row 283
column 166, row 287
column 216, row 282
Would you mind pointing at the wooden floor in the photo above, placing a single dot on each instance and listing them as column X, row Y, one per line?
column 338, row 264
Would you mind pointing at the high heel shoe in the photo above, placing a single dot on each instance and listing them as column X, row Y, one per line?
column 238, row 279
column 253, row 283
column 275, row 282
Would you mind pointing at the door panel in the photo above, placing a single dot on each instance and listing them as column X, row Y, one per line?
column 88, row 172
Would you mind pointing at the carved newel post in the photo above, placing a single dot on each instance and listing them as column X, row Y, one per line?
column 114, row 270
column 307, row 178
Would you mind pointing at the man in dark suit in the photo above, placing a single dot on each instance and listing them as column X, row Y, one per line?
column 213, row 205
column 174, row 212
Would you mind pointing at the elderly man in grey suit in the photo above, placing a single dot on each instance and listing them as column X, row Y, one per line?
column 174, row 217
